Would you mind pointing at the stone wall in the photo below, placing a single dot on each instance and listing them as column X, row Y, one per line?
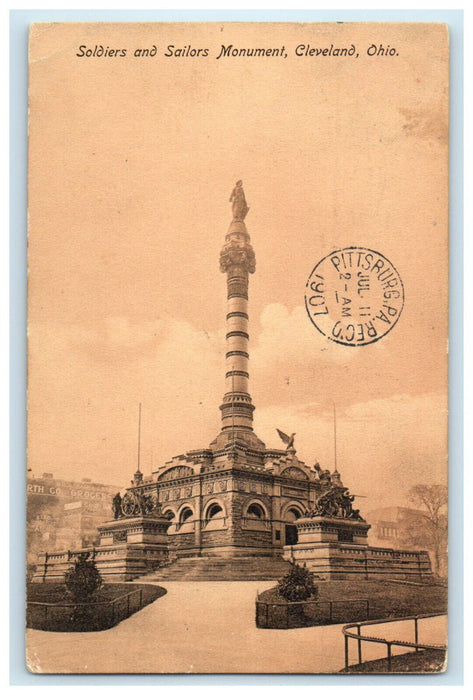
column 122, row 562
column 339, row 561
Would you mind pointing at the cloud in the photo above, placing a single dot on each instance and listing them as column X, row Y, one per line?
column 85, row 384
column 384, row 446
column 289, row 337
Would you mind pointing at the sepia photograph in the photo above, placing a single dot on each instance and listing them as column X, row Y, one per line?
column 237, row 381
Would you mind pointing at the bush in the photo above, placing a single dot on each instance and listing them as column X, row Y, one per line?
column 83, row 579
column 298, row 584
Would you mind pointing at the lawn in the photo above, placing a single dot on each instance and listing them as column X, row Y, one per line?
column 56, row 592
column 385, row 599
column 106, row 608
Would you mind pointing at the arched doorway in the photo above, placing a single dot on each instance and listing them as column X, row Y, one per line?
column 290, row 530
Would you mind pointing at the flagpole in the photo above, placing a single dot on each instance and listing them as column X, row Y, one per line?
column 335, row 435
column 139, row 436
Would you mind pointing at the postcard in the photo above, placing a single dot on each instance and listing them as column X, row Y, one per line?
column 237, row 348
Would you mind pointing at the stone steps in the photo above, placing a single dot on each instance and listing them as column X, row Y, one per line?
column 221, row 569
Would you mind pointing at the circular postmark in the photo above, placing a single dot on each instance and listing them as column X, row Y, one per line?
column 354, row 296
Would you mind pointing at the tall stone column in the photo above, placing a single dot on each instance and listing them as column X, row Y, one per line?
column 237, row 260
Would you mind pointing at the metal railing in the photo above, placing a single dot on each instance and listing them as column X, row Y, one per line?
column 108, row 612
column 304, row 611
column 390, row 643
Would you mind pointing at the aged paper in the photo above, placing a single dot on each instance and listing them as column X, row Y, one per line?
column 237, row 345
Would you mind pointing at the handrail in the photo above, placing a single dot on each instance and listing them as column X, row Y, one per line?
column 74, row 605
column 391, row 642
column 314, row 602
column 328, row 603
column 104, row 604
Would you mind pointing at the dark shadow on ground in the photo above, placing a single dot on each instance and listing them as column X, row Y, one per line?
column 113, row 602
column 426, row 661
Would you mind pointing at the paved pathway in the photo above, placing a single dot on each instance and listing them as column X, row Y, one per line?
column 197, row 627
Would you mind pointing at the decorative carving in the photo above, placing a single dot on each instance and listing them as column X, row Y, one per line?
column 293, row 491
column 222, row 485
column 239, row 206
column 119, row 536
column 294, row 473
column 234, row 255
column 176, row 494
column 209, row 487
column 176, row 473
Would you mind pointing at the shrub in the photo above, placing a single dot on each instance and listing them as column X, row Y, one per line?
column 83, row 579
column 298, row 584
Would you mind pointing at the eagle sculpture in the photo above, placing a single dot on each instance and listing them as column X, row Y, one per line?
column 288, row 440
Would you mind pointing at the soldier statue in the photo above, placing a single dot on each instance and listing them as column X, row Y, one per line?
column 239, row 206
column 117, row 506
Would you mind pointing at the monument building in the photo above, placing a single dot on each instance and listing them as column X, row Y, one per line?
column 238, row 500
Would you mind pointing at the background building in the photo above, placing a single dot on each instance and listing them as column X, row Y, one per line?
column 399, row 527
column 63, row 514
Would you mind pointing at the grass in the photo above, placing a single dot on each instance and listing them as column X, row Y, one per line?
column 386, row 599
column 56, row 592
column 63, row 616
column 425, row 661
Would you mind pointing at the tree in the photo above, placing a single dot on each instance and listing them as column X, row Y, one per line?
column 83, row 579
column 428, row 526
column 298, row 584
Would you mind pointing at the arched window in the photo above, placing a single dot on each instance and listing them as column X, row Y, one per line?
column 215, row 511
column 293, row 514
column 186, row 514
column 255, row 511
column 255, row 517
column 170, row 515
column 186, row 521
column 214, row 518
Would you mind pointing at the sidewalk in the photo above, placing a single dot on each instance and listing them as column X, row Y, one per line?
column 197, row 627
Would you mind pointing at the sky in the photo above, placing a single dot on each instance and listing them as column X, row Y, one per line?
column 131, row 164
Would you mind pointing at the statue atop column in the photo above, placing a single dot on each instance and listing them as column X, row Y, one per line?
column 239, row 206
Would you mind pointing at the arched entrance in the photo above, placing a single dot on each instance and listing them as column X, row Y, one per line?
column 290, row 530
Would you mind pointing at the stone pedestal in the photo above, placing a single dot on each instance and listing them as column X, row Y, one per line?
column 139, row 529
column 129, row 548
column 337, row 548
column 329, row 529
